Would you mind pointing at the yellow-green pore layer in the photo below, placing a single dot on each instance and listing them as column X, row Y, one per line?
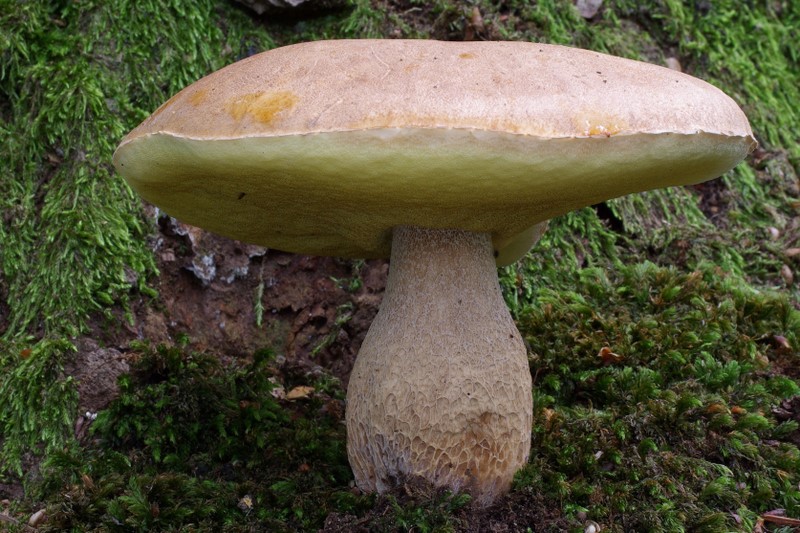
column 323, row 147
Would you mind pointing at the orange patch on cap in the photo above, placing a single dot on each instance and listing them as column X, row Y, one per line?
column 262, row 107
column 198, row 97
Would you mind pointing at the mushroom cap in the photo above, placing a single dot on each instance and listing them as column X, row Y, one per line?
column 323, row 147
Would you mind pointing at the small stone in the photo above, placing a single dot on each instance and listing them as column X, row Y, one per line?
column 278, row 392
column 282, row 6
column 588, row 8
column 673, row 64
column 37, row 518
column 204, row 268
column 592, row 527
column 787, row 275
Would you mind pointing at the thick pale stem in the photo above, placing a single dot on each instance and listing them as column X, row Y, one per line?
column 441, row 387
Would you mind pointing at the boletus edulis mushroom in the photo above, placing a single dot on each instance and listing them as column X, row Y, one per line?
column 449, row 157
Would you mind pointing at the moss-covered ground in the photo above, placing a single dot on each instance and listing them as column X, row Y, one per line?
column 663, row 328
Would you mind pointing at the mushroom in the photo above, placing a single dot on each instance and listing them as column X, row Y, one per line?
column 451, row 157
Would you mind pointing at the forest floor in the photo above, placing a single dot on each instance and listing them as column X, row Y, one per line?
column 157, row 377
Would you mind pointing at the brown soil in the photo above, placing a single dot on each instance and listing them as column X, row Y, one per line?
column 316, row 310
column 789, row 410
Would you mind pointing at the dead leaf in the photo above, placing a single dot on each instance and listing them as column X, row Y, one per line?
column 608, row 356
column 299, row 392
column 781, row 344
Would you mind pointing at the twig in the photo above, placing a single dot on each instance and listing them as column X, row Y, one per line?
column 780, row 520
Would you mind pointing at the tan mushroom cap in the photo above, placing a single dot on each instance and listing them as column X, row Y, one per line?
column 322, row 147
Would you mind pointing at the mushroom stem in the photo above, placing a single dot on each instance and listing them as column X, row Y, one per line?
column 441, row 387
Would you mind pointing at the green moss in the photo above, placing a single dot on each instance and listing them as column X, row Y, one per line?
column 434, row 513
column 693, row 338
column 192, row 444
column 37, row 404
column 747, row 53
column 73, row 239
column 654, row 398
column 746, row 50
column 571, row 242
